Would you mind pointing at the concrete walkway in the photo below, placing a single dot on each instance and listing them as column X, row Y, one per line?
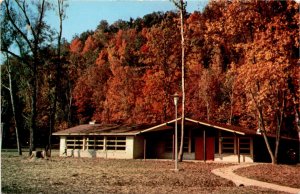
column 228, row 173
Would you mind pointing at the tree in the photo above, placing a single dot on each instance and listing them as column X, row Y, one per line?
column 91, row 89
column 161, row 54
column 30, row 45
column 121, row 93
column 35, row 28
column 266, row 82
column 54, row 97
column 182, row 9
column 229, row 89
column 13, row 104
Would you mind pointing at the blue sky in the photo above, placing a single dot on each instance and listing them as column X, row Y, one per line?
column 83, row 15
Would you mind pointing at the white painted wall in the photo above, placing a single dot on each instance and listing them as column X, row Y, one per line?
column 186, row 156
column 113, row 154
column 233, row 158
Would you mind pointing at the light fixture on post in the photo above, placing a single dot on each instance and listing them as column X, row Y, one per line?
column 176, row 99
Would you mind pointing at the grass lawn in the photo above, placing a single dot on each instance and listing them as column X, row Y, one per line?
column 94, row 175
column 287, row 175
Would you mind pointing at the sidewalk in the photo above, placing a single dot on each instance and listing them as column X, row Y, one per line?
column 228, row 173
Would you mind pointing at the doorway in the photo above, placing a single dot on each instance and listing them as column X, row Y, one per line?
column 209, row 148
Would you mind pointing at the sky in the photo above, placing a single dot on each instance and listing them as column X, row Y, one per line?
column 83, row 15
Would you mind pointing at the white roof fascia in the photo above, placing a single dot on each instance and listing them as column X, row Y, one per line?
column 157, row 126
column 214, row 126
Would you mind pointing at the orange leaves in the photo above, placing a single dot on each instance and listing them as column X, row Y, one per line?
column 240, row 56
column 76, row 46
column 89, row 45
column 102, row 58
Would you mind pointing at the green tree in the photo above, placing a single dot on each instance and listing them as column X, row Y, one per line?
column 31, row 36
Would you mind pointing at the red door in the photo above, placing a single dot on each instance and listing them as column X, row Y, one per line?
column 209, row 145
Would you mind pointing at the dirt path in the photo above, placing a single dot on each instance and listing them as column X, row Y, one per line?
column 228, row 173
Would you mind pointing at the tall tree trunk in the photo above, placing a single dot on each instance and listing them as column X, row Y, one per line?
column 277, row 138
column 53, row 111
column 69, row 104
column 13, row 108
column 34, row 81
column 261, row 123
column 33, row 116
column 279, row 118
column 52, row 121
column 261, row 120
column 33, row 42
column 182, row 10
column 231, row 107
column 207, row 109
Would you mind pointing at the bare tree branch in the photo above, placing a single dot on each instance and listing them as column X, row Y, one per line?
column 15, row 26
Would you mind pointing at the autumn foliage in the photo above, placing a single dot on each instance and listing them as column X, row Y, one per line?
column 241, row 63
column 240, row 54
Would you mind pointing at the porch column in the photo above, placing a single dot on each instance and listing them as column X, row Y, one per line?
column 204, row 145
column 190, row 141
column 145, row 144
column 84, row 143
column 251, row 147
column 235, row 144
column 220, row 143
column 238, row 149
column 104, row 146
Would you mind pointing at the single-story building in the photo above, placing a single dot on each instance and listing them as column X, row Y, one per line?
column 202, row 141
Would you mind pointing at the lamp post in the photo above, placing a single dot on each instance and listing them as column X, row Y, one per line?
column 176, row 98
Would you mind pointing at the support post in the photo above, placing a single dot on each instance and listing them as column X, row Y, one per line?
column 220, row 143
column 235, row 144
column 190, row 141
column 238, row 149
column 145, row 144
column 251, row 148
column 204, row 146
column 84, row 147
column 104, row 147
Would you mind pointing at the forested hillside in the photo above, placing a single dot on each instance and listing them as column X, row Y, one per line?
column 242, row 65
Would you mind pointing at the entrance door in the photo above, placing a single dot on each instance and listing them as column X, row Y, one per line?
column 210, row 148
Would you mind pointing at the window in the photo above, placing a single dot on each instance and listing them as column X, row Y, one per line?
column 74, row 142
column 169, row 144
column 95, row 143
column 245, row 145
column 227, row 144
column 116, row 143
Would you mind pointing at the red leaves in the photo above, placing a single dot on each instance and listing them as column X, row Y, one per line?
column 76, row 46
column 234, row 50
column 89, row 45
column 144, row 49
